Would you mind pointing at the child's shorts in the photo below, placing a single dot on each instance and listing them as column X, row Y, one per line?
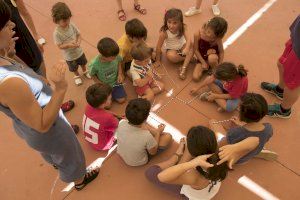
column 118, row 92
column 231, row 104
column 73, row 65
column 291, row 66
column 141, row 90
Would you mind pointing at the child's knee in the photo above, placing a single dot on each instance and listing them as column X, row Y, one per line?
column 172, row 56
column 213, row 60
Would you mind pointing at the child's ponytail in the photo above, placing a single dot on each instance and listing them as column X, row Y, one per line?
column 242, row 71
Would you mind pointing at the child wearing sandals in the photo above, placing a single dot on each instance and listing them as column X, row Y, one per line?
column 190, row 173
column 138, row 141
column 196, row 10
column 227, row 84
column 208, row 46
column 137, row 6
column 176, row 40
column 67, row 38
column 98, row 124
column 143, row 77
column 245, row 141
column 135, row 32
column 106, row 68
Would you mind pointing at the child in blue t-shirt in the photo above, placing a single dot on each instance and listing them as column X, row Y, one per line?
column 243, row 142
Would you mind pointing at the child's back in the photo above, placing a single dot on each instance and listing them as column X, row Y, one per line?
column 98, row 124
column 133, row 143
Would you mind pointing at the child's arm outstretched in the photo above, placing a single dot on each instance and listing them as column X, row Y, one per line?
column 208, row 80
column 160, row 42
column 197, row 52
column 233, row 152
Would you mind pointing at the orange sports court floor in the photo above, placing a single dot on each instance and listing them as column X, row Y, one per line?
column 25, row 175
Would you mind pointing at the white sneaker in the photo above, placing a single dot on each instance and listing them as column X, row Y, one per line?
column 77, row 80
column 267, row 155
column 87, row 74
column 192, row 11
column 216, row 10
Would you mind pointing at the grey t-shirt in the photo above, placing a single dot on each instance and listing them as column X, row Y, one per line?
column 67, row 35
column 238, row 134
column 133, row 143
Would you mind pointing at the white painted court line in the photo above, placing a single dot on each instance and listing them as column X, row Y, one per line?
column 256, row 189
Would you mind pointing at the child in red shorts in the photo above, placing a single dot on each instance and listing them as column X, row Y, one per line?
column 142, row 74
column 287, row 89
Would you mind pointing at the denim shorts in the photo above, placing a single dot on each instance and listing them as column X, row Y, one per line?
column 118, row 92
column 231, row 104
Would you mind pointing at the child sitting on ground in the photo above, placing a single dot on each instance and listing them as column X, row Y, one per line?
column 143, row 76
column 106, row 68
column 227, row 84
column 243, row 142
column 176, row 40
column 208, row 46
column 135, row 31
column 99, row 125
column 138, row 141
column 67, row 38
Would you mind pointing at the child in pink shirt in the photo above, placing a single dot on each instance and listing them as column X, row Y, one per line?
column 227, row 84
column 99, row 125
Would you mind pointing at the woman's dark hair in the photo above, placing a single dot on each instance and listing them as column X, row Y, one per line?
column 108, row 47
column 176, row 14
column 5, row 14
column 137, row 111
column 97, row 94
column 218, row 25
column 227, row 71
column 253, row 107
column 200, row 141
column 60, row 11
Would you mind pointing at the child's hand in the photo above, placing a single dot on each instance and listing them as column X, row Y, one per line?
column 205, row 66
column 211, row 51
column 201, row 161
column 161, row 127
column 194, row 91
column 228, row 153
column 211, row 97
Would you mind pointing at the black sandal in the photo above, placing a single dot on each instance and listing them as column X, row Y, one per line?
column 88, row 177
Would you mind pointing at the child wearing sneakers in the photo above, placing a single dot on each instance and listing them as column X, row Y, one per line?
column 227, row 84
column 196, row 10
column 67, row 38
column 135, row 31
column 143, row 77
column 138, row 141
column 106, row 68
column 243, row 142
column 98, row 124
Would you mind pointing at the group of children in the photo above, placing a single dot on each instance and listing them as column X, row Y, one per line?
column 131, row 56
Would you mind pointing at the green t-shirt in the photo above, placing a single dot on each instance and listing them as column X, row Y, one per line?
column 107, row 72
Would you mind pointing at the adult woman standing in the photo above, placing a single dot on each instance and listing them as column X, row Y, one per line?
column 40, row 123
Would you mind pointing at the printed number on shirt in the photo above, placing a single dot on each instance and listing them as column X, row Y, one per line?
column 90, row 135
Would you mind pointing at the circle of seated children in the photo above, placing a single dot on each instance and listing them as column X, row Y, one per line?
column 245, row 137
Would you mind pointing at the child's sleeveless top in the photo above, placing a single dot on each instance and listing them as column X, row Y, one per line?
column 173, row 42
column 204, row 194
column 204, row 45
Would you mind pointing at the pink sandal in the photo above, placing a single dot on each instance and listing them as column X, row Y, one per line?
column 141, row 10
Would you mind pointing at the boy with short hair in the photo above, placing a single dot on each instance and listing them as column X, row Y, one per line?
column 137, row 141
column 106, row 68
column 245, row 141
column 135, row 31
column 99, row 125
column 67, row 38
